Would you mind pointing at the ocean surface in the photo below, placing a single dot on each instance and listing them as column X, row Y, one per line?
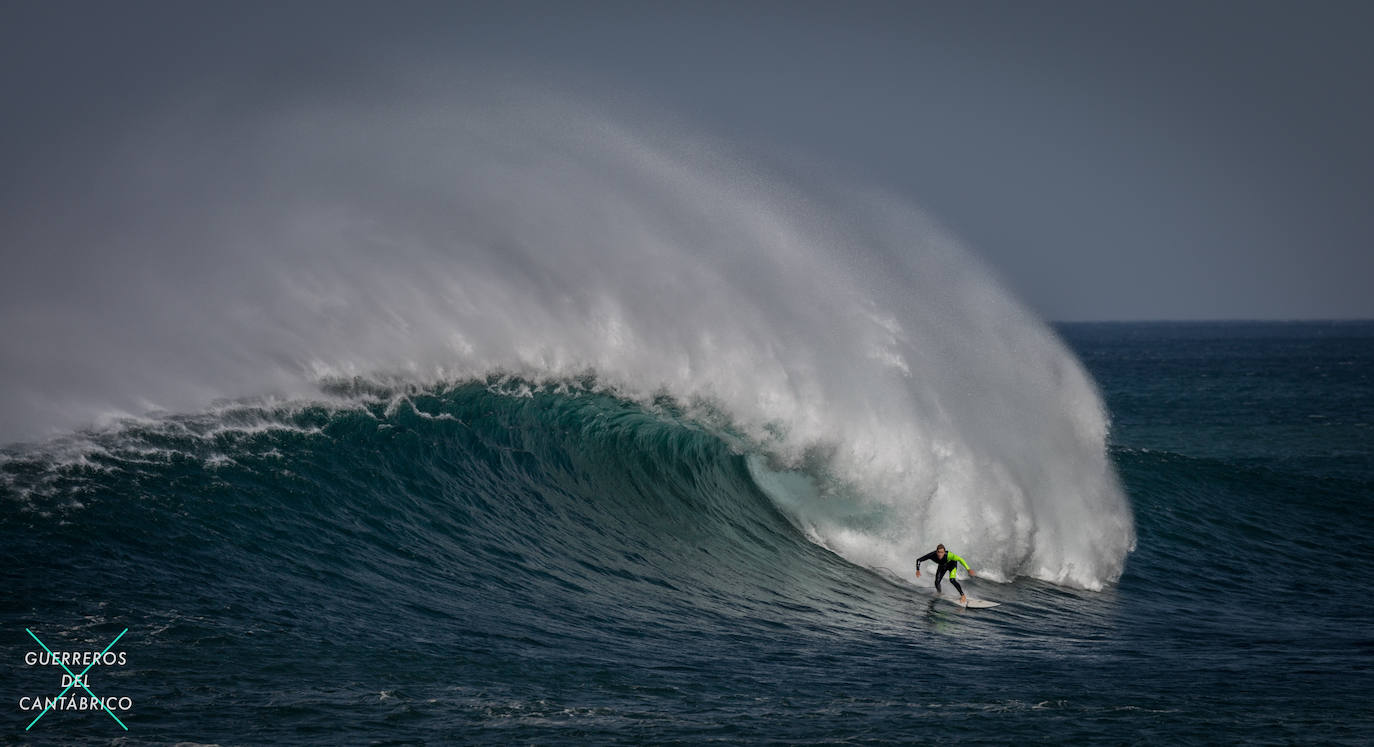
column 498, row 560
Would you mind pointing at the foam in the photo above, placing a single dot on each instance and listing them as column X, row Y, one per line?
column 432, row 238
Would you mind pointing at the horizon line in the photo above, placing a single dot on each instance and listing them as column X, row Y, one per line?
column 1220, row 320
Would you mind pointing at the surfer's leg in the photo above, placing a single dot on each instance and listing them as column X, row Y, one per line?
column 957, row 587
column 940, row 574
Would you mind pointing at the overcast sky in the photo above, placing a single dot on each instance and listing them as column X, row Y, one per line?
column 1108, row 160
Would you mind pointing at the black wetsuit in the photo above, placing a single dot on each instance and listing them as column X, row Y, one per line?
column 950, row 564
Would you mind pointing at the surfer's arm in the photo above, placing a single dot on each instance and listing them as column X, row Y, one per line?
column 922, row 559
column 960, row 561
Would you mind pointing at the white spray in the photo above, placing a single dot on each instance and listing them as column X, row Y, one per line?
column 439, row 241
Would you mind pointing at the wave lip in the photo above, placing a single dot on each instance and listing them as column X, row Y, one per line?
column 429, row 240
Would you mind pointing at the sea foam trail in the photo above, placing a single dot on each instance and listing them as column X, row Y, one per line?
column 442, row 238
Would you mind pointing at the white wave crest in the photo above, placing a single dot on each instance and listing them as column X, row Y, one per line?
column 449, row 237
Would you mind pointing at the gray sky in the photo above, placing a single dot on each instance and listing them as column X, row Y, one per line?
column 1109, row 160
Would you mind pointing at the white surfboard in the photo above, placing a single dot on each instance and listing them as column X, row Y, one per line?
column 974, row 603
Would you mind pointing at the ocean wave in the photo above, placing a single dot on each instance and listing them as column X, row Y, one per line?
column 457, row 237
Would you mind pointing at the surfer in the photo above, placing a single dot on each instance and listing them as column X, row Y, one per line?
column 945, row 561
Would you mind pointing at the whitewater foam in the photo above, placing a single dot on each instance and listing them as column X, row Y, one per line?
column 420, row 239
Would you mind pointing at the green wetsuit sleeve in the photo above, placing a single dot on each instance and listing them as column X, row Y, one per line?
column 960, row 560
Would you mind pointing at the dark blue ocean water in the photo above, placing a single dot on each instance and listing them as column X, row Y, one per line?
column 459, row 565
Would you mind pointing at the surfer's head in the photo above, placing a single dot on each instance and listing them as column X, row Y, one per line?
column 940, row 549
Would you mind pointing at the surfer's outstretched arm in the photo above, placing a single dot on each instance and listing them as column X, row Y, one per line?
column 922, row 559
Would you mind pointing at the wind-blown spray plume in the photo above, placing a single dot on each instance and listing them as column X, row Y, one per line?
column 845, row 340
